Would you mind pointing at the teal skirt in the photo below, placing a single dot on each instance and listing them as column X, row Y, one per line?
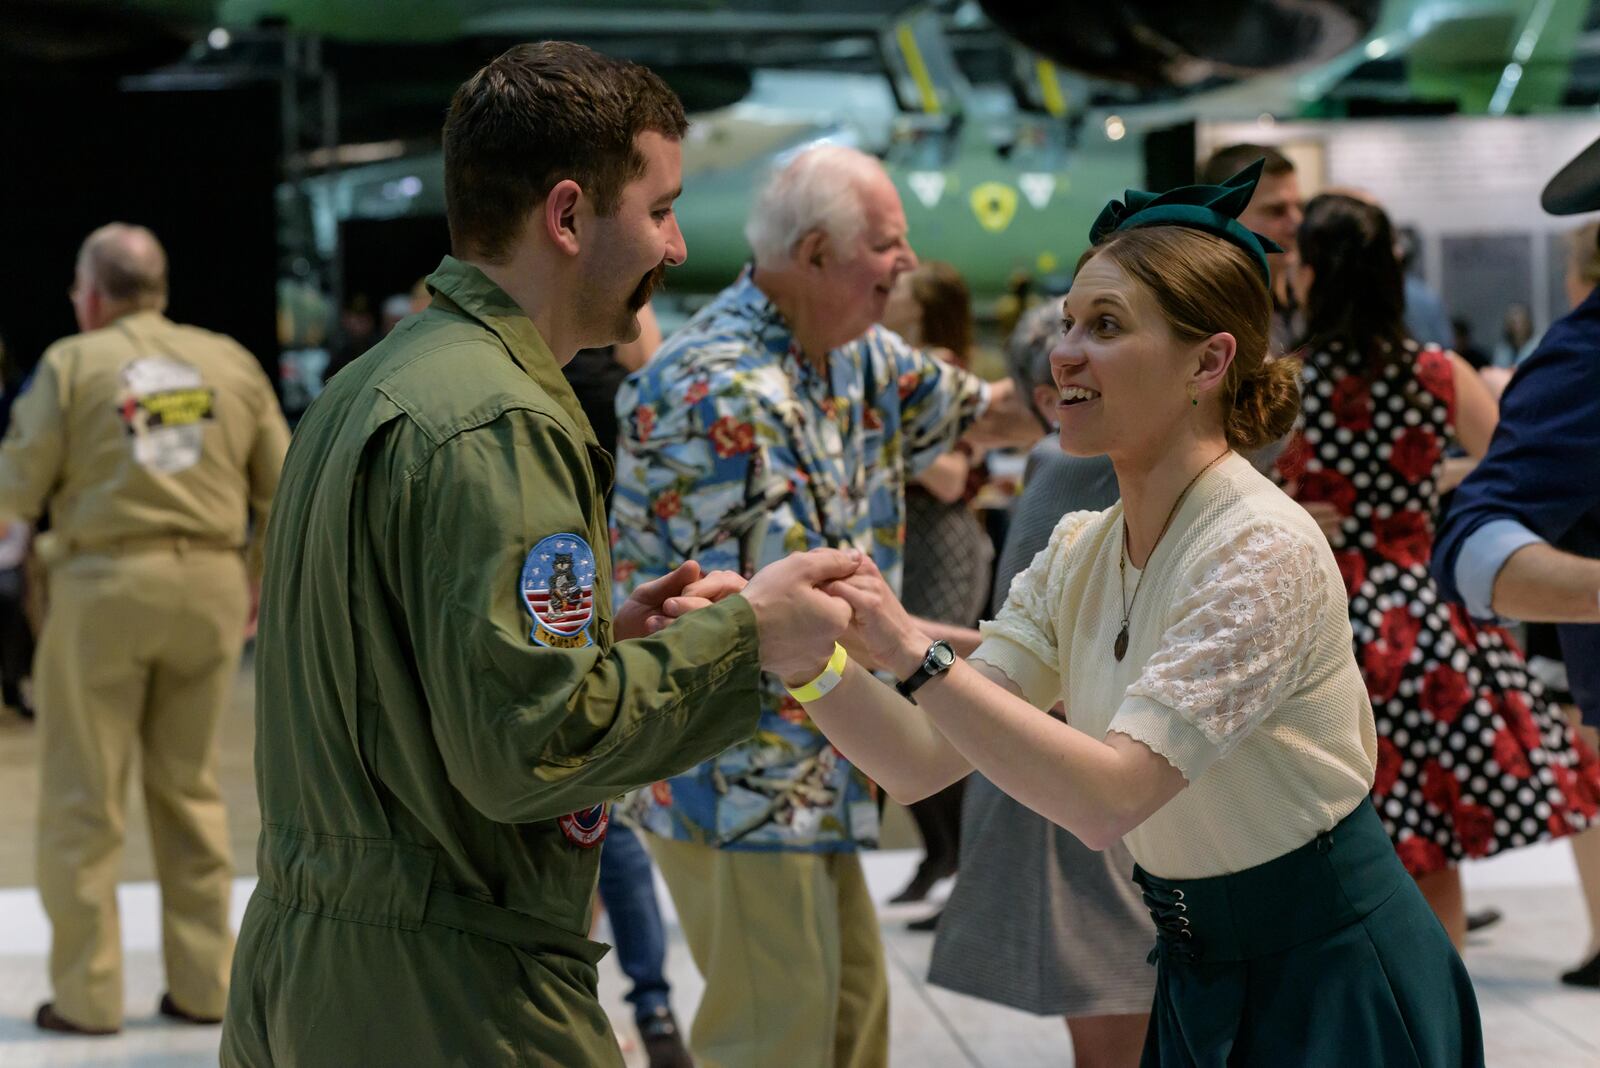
column 1327, row 955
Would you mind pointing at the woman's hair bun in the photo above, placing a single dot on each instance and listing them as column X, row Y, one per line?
column 1266, row 405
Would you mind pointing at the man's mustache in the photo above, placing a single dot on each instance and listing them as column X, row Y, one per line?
column 647, row 287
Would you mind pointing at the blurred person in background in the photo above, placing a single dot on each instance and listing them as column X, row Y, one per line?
column 627, row 878
column 421, row 296
column 596, row 374
column 1471, row 760
column 1274, row 212
column 1426, row 321
column 1517, row 337
column 780, row 418
column 1463, row 344
column 1522, row 537
column 358, row 332
column 16, row 632
column 153, row 445
column 948, row 554
column 395, row 308
column 1039, row 921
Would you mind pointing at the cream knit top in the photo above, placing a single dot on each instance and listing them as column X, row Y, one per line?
column 1239, row 670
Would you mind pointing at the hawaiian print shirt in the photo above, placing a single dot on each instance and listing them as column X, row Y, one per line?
column 735, row 451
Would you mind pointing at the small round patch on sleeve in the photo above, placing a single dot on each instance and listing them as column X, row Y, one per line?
column 586, row 829
column 557, row 589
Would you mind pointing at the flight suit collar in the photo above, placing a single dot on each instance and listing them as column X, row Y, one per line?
column 470, row 291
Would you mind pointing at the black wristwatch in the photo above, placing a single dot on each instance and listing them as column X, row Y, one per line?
column 936, row 661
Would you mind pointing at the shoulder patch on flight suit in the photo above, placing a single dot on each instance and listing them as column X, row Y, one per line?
column 558, row 590
column 586, row 829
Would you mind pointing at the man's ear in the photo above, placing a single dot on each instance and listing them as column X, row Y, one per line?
column 1215, row 357
column 560, row 215
column 813, row 249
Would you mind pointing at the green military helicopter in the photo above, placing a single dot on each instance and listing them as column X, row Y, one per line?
column 1002, row 153
column 1003, row 176
column 1007, row 188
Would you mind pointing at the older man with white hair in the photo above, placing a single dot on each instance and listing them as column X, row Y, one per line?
column 781, row 418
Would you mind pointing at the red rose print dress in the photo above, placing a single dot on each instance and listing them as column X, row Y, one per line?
column 1471, row 760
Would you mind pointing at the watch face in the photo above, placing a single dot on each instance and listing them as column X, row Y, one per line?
column 941, row 656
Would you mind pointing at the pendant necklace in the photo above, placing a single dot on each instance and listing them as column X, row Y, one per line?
column 1120, row 649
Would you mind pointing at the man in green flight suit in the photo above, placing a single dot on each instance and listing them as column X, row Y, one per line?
column 445, row 705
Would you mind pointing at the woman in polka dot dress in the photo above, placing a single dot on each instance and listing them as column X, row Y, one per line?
column 1471, row 760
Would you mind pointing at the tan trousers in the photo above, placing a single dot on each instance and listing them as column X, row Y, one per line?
column 138, row 654
column 788, row 944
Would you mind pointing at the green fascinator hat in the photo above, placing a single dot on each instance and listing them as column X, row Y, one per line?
column 1213, row 209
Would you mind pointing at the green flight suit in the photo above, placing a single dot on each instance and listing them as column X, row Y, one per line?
column 429, row 772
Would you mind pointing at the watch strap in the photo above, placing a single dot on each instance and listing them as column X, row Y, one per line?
column 906, row 687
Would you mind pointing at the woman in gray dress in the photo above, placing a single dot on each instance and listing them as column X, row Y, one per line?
column 1039, row 921
column 948, row 553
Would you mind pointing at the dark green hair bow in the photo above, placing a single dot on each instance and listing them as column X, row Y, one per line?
column 1213, row 209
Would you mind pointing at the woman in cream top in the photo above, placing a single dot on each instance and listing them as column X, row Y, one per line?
column 1197, row 634
column 1238, row 672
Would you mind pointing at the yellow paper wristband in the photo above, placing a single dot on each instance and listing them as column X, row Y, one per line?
column 818, row 688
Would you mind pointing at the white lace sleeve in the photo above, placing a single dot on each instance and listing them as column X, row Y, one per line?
column 1243, row 635
column 1021, row 641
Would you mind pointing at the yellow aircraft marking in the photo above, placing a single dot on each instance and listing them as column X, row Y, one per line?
column 918, row 69
column 994, row 204
column 1055, row 101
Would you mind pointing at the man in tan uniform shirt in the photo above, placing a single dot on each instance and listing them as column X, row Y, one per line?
column 150, row 444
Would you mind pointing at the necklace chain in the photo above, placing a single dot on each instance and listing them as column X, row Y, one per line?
column 1121, row 646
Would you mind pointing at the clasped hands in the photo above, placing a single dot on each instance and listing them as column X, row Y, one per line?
column 802, row 604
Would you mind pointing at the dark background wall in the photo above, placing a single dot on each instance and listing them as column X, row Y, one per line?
column 198, row 168
column 389, row 256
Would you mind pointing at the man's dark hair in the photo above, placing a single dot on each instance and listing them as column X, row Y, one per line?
column 539, row 114
column 1229, row 161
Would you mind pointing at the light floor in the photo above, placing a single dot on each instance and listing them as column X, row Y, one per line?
column 1529, row 1019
